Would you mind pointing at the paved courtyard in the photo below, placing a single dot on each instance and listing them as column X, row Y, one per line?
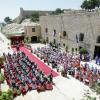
column 65, row 89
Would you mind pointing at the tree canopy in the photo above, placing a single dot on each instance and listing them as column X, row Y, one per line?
column 83, row 51
column 58, row 11
column 35, row 17
column 8, row 20
column 90, row 4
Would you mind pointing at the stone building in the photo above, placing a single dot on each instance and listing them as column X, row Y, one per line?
column 32, row 31
column 18, row 32
column 73, row 30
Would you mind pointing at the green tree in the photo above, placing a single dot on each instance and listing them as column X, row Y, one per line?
column 97, row 3
column 6, row 96
column 90, row 4
column 8, row 20
column 35, row 17
column 83, row 51
column 58, row 11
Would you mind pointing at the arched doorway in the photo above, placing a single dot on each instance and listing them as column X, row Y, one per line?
column 98, row 39
column 97, row 51
column 34, row 39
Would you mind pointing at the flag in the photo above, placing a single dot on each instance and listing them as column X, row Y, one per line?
column 53, row 33
column 76, row 38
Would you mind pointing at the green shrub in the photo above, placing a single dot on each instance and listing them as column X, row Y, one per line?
column 63, row 73
column 0, row 97
column 10, row 92
column 0, row 92
column 5, row 96
column 83, row 51
column 98, row 88
column 2, row 78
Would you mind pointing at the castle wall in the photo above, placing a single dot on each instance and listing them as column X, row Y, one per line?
column 27, row 13
column 73, row 23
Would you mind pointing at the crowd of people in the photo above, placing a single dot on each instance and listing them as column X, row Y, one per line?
column 23, row 74
column 58, row 58
column 89, row 75
column 70, row 63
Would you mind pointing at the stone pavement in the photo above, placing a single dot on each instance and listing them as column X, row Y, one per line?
column 65, row 89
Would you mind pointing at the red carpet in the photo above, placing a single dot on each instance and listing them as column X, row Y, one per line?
column 40, row 64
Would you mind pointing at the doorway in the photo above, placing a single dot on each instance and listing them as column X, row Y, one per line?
column 34, row 39
column 97, row 51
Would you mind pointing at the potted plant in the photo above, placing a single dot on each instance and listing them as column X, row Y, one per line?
column 63, row 73
column 98, row 88
column 5, row 96
column 10, row 94
column 0, row 97
column 0, row 92
column 83, row 52
column 2, row 78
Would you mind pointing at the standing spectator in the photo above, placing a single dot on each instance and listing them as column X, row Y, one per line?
column 96, row 59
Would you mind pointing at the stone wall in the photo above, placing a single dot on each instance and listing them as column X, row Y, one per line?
column 27, row 13
column 73, row 23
